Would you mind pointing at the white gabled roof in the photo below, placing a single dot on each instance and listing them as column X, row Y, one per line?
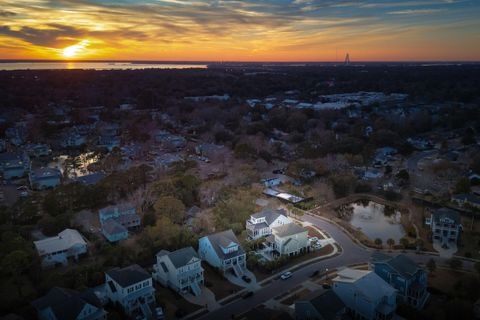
column 63, row 241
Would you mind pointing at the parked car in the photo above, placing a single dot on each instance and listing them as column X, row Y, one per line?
column 247, row 295
column 246, row 279
column 286, row 275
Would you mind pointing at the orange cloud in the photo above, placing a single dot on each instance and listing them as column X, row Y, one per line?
column 250, row 30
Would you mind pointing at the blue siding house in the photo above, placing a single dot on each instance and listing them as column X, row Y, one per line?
column 45, row 178
column 14, row 165
column 403, row 274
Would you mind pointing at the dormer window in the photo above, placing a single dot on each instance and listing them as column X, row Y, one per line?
column 231, row 248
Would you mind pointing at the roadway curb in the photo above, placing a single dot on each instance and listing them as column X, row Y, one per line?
column 235, row 296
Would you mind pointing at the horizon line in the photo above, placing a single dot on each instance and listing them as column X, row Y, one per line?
column 235, row 61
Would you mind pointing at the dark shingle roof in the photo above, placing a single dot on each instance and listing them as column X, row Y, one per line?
column 66, row 303
column 269, row 214
column 402, row 264
column 288, row 229
column 179, row 257
column 128, row 276
column 446, row 213
column 327, row 303
column 111, row 226
column 91, row 179
column 223, row 239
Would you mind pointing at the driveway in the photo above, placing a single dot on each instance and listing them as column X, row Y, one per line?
column 352, row 254
column 251, row 286
column 445, row 252
column 206, row 298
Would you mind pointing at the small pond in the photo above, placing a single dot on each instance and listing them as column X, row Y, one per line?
column 376, row 220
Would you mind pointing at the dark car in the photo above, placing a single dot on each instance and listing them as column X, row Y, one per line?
column 246, row 279
column 247, row 295
column 315, row 273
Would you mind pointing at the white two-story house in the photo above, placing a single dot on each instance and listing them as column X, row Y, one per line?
column 289, row 239
column 132, row 288
column 445, row 225
column 222, row 250
column 365, row 294
column 261, row 223
column 57, row 250
column 180, row 270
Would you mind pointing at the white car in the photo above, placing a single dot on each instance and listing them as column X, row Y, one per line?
column 286, row 275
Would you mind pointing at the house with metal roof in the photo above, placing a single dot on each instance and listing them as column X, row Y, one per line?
column 222, row 250
column 261, row 223
column 320, row 304
column 14, row 165
column 57, row 250
column 180, row 270
column 365, row 294
column 288, row 239
column 132, row 288
column 409, row 279
column 44, row 178
column 37, row 149
column 67, row 304
column 91, row 179
column 446, row 225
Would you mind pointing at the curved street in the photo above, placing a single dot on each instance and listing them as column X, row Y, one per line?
column 352, row 254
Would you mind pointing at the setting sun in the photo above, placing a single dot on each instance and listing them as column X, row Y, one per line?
column 76, row 49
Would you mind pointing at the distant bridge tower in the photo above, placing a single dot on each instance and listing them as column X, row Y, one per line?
column 347, row 60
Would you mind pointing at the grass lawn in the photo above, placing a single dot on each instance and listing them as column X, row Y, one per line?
column 447, row 280
column 171, row 301
column 296, row 296
column 470, row 238
column 452, row 294
column 294, row 261
column 220, row 286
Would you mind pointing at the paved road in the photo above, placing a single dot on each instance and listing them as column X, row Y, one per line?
column 352, row 253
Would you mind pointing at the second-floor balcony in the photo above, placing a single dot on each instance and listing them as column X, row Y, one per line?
column 144, row 292
column 187, row 280
column 255, row 230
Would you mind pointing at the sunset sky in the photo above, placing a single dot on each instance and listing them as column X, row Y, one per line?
column 199, row 30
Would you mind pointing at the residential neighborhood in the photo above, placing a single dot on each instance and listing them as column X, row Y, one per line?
column 265, row 192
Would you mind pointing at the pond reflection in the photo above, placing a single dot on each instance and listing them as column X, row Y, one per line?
column 376, row 220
